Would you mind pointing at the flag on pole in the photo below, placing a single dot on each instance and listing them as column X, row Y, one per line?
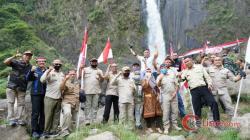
column 247, row 57
column 83, row 52
column 106, row 54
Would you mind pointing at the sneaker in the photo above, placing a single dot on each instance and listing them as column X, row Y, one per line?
column 64, row 133
column 35, row 135
column 165, row 131
column 139, row 127
column 176, row 127
column 22, row 123
column 12, row 123
column 45, row 135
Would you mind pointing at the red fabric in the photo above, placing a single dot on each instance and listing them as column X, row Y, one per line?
column 106, row 51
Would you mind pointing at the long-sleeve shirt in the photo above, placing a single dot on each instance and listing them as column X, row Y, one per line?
column 196, row 76
column 53, row 81
column 37, row 88
column 219, row 78
column 169, row 81
column 71, row 93
column 126, row 89
column 111, row 89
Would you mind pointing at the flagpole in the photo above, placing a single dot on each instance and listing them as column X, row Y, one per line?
column 238, row 98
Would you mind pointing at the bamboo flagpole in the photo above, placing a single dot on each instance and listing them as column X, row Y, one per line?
column 247, row 60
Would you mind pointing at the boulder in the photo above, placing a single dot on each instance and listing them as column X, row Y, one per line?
column 103, row 136
column 13, row 133
column 244, row 128
column 166, row 137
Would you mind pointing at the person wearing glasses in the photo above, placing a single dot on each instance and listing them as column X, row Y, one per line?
column 53, row 77
column 37, row 94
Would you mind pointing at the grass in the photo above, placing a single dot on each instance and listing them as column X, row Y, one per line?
column 121, row 131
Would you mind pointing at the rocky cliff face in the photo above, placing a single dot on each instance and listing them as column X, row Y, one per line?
column 178, row 16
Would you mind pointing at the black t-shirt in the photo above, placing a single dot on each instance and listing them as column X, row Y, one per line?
column 17, row 79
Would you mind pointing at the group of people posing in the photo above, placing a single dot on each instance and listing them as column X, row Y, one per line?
column 145, row 91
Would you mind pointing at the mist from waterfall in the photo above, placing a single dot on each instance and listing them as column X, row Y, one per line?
column 155, row 31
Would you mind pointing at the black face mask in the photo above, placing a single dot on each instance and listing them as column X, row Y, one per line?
column 93, row 66
column 57, row 67
column 126, row 74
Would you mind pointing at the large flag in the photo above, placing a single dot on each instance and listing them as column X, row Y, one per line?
column 106, row 54
column 247, row 58
column 83, row 52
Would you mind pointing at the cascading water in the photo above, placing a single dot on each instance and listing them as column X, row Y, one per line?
column 155, row 31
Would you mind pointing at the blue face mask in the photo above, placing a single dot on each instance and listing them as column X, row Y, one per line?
column 164, row 71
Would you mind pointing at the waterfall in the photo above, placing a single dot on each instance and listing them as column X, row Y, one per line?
column 155, row 31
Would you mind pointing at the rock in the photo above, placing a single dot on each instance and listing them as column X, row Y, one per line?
column 13, row 133
column 153, row 136
column 3, row 108
column 166, row 137
column 244, row 122
column 233, row 87
column 103, row 136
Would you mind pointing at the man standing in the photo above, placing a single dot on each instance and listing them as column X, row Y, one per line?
column 219, row 76
column 169, row 86
column 177, row 65
column 70, row 88
column 16, row 86
column 146, row 60
column 52, row 102
column 200, row 85
column 135, row 75
column 126, row 90
column 111, row 94
column 37, row 97
column 93, row 77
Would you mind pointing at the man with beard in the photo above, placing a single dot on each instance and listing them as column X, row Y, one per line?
column 37, row 96
column 70, row 88
column 52, row 101
column 126, row 89
column 17, row 85
column 111, row 94
column 93, row 77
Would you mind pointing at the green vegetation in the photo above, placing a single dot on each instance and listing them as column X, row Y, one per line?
column 16, row 34
column 226, row 21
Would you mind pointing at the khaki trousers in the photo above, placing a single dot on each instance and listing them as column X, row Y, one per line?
column 52, row 109
column 126, row 112
column 91, row 107
column 69, row 116
column 20, row 97
column 170, row 110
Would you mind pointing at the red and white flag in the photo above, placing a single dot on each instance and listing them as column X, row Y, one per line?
column 106, row 54
column 83, row 52
column 247, row 57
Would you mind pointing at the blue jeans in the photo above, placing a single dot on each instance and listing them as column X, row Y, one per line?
column 180, row 105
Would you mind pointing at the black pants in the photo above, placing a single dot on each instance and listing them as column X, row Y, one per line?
column 200, row 93
column 108, row 103
column 156, row 121
column 37, row 115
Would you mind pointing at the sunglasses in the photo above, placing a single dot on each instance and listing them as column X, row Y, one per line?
column 58, row 64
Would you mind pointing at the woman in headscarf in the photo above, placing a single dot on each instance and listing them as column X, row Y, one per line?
column 152, row 111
